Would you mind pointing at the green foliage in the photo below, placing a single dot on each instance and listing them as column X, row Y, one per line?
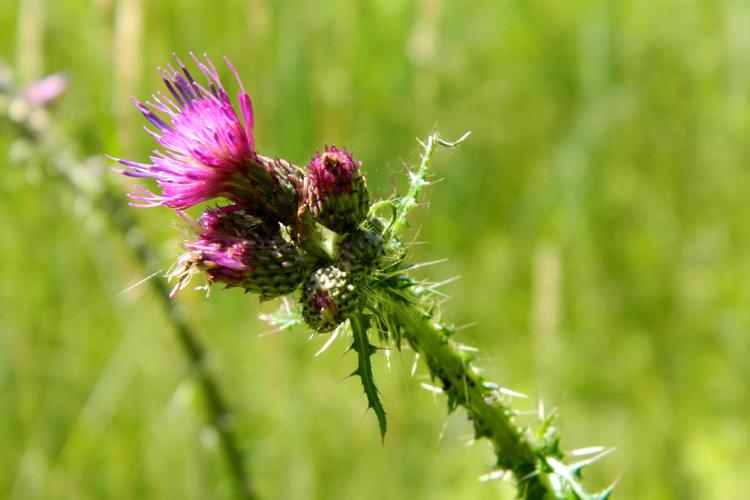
column 598, row 217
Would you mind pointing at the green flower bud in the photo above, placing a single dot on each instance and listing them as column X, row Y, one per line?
column 329, row 297
column 361, row 252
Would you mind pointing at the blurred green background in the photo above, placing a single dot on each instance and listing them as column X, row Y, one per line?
column 599, row 217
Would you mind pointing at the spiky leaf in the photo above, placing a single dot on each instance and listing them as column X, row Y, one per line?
column 364, row 349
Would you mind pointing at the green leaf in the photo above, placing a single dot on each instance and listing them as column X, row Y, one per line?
column 364, row 352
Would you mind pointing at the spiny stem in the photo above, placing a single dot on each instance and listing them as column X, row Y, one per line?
column 534, row 459
column 417, row 181
column 64, row 166
column 465, row 388
column 452, row 366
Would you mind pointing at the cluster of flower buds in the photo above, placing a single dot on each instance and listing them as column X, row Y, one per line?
column 207, row 153
column 336, row 196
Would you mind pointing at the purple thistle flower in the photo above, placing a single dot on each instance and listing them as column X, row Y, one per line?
column 335, row 189
column 269, row 267
column 208, row 149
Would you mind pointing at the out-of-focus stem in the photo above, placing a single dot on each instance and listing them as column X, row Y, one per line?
column 30, row 40
column 109, row 203
column 219, row 415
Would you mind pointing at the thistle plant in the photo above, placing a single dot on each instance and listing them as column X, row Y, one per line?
column 312, row 234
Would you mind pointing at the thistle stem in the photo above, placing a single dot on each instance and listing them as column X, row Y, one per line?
column 464, row 387
column 534, row 459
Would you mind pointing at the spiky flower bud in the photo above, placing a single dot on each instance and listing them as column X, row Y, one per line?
column 240, row 250
column 360, row 252
column 336, row 192
column 328, row 298
column 268, row 267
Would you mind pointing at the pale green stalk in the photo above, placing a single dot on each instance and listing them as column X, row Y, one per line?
column 417, row 182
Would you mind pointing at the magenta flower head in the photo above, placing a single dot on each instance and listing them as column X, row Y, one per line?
column 208, row 149
column 335, row 190
column 240, row 250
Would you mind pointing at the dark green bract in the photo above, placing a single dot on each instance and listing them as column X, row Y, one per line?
column 278, row 269
column 361, row 252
